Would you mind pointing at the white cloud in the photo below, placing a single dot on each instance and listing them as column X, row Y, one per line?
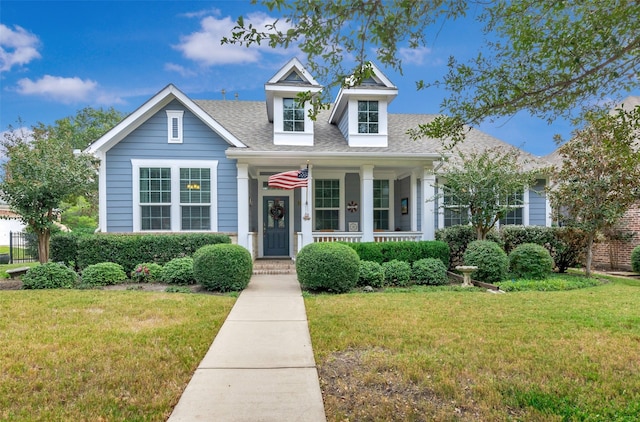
column 64, row 90
column 181, row 70
column 414, row 55
column 17, row 47
column 204, row 45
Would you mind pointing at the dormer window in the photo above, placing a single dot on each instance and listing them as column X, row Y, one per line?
column 293, row 115
column 367, row 117
column 174, row 126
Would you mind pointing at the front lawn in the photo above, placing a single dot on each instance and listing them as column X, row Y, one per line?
column 101, row 355
column 447, row 355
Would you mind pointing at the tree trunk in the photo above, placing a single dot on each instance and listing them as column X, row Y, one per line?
column 480, row 233
column 43, row 245
column 587, row 266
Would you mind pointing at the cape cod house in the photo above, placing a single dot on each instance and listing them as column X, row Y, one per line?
column 179, row 164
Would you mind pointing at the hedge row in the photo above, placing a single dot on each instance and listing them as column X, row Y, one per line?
column 565, row 244
column 409, row 252
column 128, row 250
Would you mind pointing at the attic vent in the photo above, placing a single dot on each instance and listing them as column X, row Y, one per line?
column 293, row 76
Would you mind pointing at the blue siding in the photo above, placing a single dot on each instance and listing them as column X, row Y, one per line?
column 538, row 205
column 149, row 141
column 343, row 123
column 352, row 193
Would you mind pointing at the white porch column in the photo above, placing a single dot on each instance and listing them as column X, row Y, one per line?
column 366, row 199
column 306, row 211
column 428, row 207
column 413, row 201
column 243, row 205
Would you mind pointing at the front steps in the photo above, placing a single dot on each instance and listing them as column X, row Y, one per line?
column 274, row 266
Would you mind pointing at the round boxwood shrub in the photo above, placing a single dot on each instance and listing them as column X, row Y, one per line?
column 148, row 272
column 530, row 261
column 103, row 274
column 371, row 274
column 430, row 271
column 491, row 260
column 635, row 259
column 49, row 276
column 397, row 272
column 179, row 271
column 328, row 266
column 224, row 267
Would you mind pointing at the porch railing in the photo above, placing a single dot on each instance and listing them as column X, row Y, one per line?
column 397, row 236
column 350, row 237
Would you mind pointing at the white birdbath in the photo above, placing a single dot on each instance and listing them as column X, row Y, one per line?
column 466, row 271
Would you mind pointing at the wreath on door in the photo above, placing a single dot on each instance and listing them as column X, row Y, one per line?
column 277, row 211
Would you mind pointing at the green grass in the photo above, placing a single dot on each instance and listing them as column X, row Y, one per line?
column 101, row 355
column 568, row 355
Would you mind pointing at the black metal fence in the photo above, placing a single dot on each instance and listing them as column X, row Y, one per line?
column 23, row 247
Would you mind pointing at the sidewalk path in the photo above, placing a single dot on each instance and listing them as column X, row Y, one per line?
column 260, row 366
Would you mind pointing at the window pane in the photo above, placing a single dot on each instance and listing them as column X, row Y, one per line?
column 327, row 220
column 293, row 115
column 381, row 219
column 155, row 185
column 327, row 204
column 196, row 218
column 155, row 217
column 195, row 186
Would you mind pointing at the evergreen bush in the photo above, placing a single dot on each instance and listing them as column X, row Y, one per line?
column 429, row 271
column 103, row 274
column 491, row 260
column 402, row 251
column 329, row 266
column 49, row 276
column 371, row 274
column 397, row 273
column 63, row 247
column 635, row 259
column 223, row 267
column 530, row 261
column 148, row 272
column 458, row 238
column 179, row 271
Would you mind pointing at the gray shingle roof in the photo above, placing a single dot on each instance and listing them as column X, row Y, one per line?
column 247, row 120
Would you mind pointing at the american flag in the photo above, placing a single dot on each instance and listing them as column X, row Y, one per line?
column 290, row 179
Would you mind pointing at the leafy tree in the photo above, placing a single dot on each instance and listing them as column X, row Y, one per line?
column 487, row 185
column 87, row 125
column 598, row 179
column 546, row 57
column 41, row 171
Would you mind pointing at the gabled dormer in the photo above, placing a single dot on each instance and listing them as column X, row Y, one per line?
column 291, row 122
column 360, row 111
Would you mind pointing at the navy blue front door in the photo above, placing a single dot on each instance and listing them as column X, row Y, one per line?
column 275, row 226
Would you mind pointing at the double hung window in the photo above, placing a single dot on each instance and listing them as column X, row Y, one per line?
column 367, row 117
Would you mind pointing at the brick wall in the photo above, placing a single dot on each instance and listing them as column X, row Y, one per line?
column 618, row 250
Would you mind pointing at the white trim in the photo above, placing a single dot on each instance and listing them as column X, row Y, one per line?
column 151, row 107
column 175, row 166
column 324, row 175
column 171, row 116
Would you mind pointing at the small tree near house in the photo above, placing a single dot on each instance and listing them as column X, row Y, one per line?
column 40, row 172
column 485, row 186
column 598, row 180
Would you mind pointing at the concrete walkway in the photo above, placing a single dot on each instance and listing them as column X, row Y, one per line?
column 260, row 366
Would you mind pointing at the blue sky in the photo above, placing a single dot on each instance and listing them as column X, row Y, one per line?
column 57, row 57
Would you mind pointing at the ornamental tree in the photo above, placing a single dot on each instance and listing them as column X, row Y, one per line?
column 545, row 57
column 41, row 171
column 487, row 185
column 598, row 179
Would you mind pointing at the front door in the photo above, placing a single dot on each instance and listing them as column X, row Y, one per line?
column 275, row 226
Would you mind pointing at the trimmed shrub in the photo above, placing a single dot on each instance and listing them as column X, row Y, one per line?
column 429, row 271
column 568, row 248
column 148, row 272
column 371, row 274
column 397, row 273
column 328, row 266
column 130, row 249
column 530, row 261
column 103, row 274
column 491, row 260
column 179, row 271
column 402, row 251
column 63, row 247
column 222, row 267
column 458, row 238
column 514, row 236
column 49, row 276
column 635, row 259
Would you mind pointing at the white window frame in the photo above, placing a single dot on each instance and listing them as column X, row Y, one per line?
column 323, row 175
column 388, row 208
column 175, row 116
column 368, row 113
column 296, row 106
column 175, row 166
